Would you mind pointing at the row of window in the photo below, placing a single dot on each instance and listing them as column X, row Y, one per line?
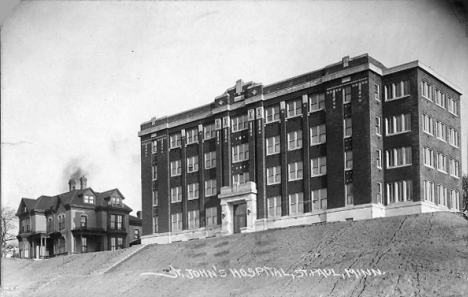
column 193, row 216
column 441, row 99
column 440, row 130
column 441, row 162
column 447, row 197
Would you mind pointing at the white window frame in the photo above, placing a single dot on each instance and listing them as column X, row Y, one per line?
column 319, row 197
column 176, row 194
column 176, row 168
column 240, row 153
column 211, row 216
column 296, row 203
column 454, row 168
column 321, row 167
column 210, row 188
column 294, row 140
column 175, row 140
column 318, row 134
column 272, row 114
column 273, row 175
column 239, row 123
column 426, row 90
column 379, row 158
column 349, row 194
column 346, row 98
column 193, row 218
column 429, row 157
column 428, row 124
column 453, row 106
column 399, row 191
column 442, row 163
column 398, row 124
column 274, row 207
column 296, row 109
column 429, row 191
column 209, row 131
column 210, row 160
column 348, row 157
column 295, row 171
column 378, row 126
column 379, row 193
column 155, row 197
column 392, row 89
column 454, row 137
column 395, row 155
column 192, row 136
column 440, row 98
column 377, row 92
column 454, row 199
column 274, row 143
column 241, row 178
column 155, row 172
column 442, row 195
column 441, row 131
column 193, row 191
column 348, row 127
column 176, row 222
column 316, row 102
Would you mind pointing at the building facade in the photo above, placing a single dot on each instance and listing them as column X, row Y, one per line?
column 78, row 221
column 354, row 140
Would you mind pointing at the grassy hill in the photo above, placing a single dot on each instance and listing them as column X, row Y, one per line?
column 417, row 255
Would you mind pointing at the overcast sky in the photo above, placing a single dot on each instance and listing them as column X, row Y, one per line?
column 78, row 78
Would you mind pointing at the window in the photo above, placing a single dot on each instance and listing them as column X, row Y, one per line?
column 119, row 222
column 399, row 191
column 112, row 221
column 49, row 225
column 379, row 158
column 116, row 201
column 348, row 160
column 429, row 191
column 428, row 124
column 317, row 102
column 319, row 166
column 192, row 190
column 176, row 167
column 120, row 243
column 239, row 123
column 398, row 124
column 240, row 152
column 61, row 220
column 136, row 233
column 210, row 187
column 192, row 136
column 378, row 126
column 155, row 224
column 210, row 160
column 454, row 137
column 396, row 90
column 174, row 140
column 296, row 203
column 273, row 145
column 192, row 164
column 295, row 140
column 176, row 194
column 442, row 163
column 440, row 99
column 84, row 245
column 211, row 215
column 294, row 108
column 398, row 157
column 349, row 194
column 379, row 193
column 295, row 171
column 113, row 243
column 441, row 131
column 272, row 114
column 176, row 220
column 155, row 198
column 318, row 134
column 426, row 90
column 429, row 157
column 241, row 178
column 193, row 219
column 155, row 146
column 84, row 222
column 274, row 207
column 347, row 94
column 89, row 199
column 454, row 168
column 442, row 194
column 453, row 106
column 455, row 199
column 319, row 199
column 209, row 131
column 155, row 172
column 273, row 175
column 377, row 92
column 348, row 127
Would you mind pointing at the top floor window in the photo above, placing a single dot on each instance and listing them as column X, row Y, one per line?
column 426, row 90
column 116, row 201
column 192, row 136
column 347, row 94
column 440, row 98
column 272, row 114
column 209, row 131
column 316, row 102
column 175, row 140
column 294, row 108
column 377, row 92
column 453, row 106
column 89, row 199
column 155, row 146
column 397, row 90
column 239, row 123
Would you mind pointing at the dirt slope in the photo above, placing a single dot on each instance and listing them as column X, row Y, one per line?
column 418, row 255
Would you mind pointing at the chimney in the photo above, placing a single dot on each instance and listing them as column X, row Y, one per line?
column 139, row 214
column 72, row 185
column 83, row 181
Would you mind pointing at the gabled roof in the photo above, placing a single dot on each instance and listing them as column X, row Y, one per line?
column 44, row 203
column 28, row 203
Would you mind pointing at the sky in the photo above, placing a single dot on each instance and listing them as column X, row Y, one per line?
column 79, row 77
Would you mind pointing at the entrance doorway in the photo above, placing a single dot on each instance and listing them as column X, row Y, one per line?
column 240, row 217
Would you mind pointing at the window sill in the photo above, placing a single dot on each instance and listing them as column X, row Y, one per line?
column 271, row 154
column 295, row 179
column 396, row 98
column 271, row 122
column 294, row 149
column 313, row 111
column 400, row 166
column 318, row 175
column 398, row 133
column 275, row 183
column 294, row 116
column 315, row 144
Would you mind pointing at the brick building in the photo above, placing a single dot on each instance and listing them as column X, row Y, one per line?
column 78, row 221
column 354, row 140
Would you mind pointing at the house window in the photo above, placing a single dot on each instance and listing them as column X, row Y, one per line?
column 378, row 126
column 84, row 245
column 318, row 134
column 429, row 191
column 112, row 221
column 120, row 243
column 240, row 152
column 399, row 191
column 453, row 106
column 89, row 199
column 176, row 220
column 295, row 171
column 398, row 124
column 209, row 131
column 440, row 99
column 454, row 168
column 192, row 136
column 294, row 108
column 210, row 160
column 272, row 114
column 295, row 140
column 429, row 157
column 454, row 137
column 176, row 194
column 155, row 146
column 426, row 90
column 428, row 124
column 49, row 225
column 192, row 190
column 348, row 127
column 155, row 198
column 319, row 199
column 348, row 160
column 273, row 145
column 442, row 194
column 379, row 193
column 377, row 92
column 349, row 194
column 441, row 131
column 119, row 222
column 317, row 102
column 398, row 157
column 155, row 172
column 239, row 123
column 211, row 214
column 113, row 243
column 319, row 166
column 274, row 207
column 116, row 201
column 347, row 94
column 273, row 175
column 61, row 220
column 379, row 158
column 396, row 90
column 210, row 187
column 296, row 203
column 155, row 224
column 193, row 219
column 241, row 178
column 176, row 167
column 192, row 164
column 174, row 140
column 137, row 233
column 84, row 222
column 442, row 163
column 454, row 199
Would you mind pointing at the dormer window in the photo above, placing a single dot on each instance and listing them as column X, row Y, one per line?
column 116, row 201
column 89, row 199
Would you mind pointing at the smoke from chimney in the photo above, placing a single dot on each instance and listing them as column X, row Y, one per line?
column 83, row 181
column 72, row 184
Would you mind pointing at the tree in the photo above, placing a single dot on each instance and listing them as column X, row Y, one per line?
column 8, row 225
column 465, row 192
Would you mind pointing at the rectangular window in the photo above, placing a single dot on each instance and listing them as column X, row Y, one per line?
column 454, row 137
column 155, row 224
column 61, row 220
column 89, row 199
column 379, row 158
column 379, row 193
column 429, row 191
column 397, row 90
column 453, row 106
column 378, row 126
column 241, row 178
column 317, row 102
column 377, row 92
column 273, row 175
column 84, row 221
column 399, row 191
column 155, row 172
column 112, row 221
column 176, row 220
column 120, row 243
column 192, row 136
column 441, row 131
column 349, row 193
column 193, row 219
column 319, row 166
column 210, row 160
column 442, row 194
column 155, row 146
column 211, row 214
column 240, row 152
column 192, row 164
column 84, row 245
column 273, row 145
column 348, row 160
column 440, row 98
column 272, row 114
column 239, row 123
column 119, row 222
column 209, row 131
column 294, row 108
column 176, row 194
column 398, row 124
column 174, row 140
column 348, row 127
column 274, row 207
column 155, row 198
column 426, row 90
column 454, row 168
column 113, row 243
column 319, row 199
column 429, row 157
column 136, row 233
column 295, row 171
column 428, row 124
column 442, row 163
column 454, row 199
column 176, row 167
column 296, row 203
column 192, row 190
column 294, row 140
column 398, row 157
column 210, row 187
column 318, row 134
column 347, row 94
